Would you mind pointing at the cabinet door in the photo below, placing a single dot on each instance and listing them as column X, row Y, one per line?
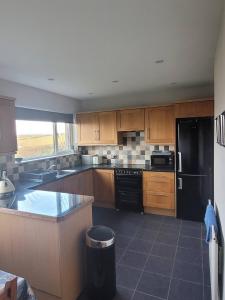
column 160, row 125
column 194, row 109
column 104, row 190
column 130, row 120
column 8, row 140
column 158, row 192
column 87, row 129
column 51, row 186
column 71, row 185
column 107, row 128
column 86, row 183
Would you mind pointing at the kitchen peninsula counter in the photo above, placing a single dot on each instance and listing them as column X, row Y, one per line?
column 42, row 239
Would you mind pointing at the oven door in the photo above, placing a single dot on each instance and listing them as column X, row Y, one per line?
column 129, row 193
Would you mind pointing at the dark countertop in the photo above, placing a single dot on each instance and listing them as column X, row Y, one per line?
column 30, row 201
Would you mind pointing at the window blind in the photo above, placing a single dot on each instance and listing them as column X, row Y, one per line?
column 41, row 115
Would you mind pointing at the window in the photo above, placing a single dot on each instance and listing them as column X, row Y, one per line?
column 40, row 138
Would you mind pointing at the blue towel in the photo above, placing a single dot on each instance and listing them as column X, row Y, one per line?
column 210, row 219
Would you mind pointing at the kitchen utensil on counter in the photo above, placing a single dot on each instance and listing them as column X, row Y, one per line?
column 87, row 159
column 97, row 160
column 7, row 188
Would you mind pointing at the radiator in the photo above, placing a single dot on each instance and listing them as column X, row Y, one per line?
column 213, row 265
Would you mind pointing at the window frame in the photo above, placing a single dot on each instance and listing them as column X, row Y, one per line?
column 69, row 137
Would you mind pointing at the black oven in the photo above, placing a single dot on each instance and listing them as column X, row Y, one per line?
column 162, row 159
column 128, row 184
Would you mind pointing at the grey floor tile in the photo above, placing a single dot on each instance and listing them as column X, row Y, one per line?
column 183, row 290
column 146, row 234
column 159, row 265
column 163, row 250
column 206, row 274
column 171, row 220
column 205, row 246
column 140, row 245
column 151, row 224
column 126, row 228
column 154, row 284
column 189, row 242
column 192, row 224
column 191, row 231
column 170, row 228
column 142, row 296
column 123, row 293
column 119, row 253
column 122, row 241
column 207, row 293
column 134, row 259
column 192, row 256
column 127, row 277
column 189, row 272
column 156, row 218
column 167, row 238
column 206, row 260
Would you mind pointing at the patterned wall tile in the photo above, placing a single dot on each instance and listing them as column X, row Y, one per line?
column 133, row 151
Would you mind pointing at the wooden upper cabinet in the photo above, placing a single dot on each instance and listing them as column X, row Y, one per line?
column 8, row 140
column 160, row 125
column 97, row 128
column 87, row 128
column 104, row 190
column 131, row 120
column 107, row 128
column 194, row 109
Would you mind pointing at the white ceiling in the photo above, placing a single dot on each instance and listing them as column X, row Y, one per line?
column 85, row 44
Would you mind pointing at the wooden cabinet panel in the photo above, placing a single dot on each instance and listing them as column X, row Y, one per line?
column 160, row 125
column 130, row 120
column 85, row 181
column 107, row 128
column 8, row 140
column 158, row 192
column 87, row 128
column 159, row 200
column 51, row 186
column 97, row 128
column 194, row 109
column 104, row 189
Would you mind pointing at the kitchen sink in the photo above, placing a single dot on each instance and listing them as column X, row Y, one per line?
column 39, row 175
column 65, row 172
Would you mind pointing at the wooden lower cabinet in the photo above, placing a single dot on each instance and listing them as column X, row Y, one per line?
column 158, row 192
column 81, row 184
column 104, row 189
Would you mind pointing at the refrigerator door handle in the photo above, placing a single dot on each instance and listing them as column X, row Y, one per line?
column 180, row 184
column 180, row 162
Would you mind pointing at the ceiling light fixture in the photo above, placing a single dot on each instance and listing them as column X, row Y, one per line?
column 159, row 61
column 51, row 79
column 115, row 81
column 90, row 93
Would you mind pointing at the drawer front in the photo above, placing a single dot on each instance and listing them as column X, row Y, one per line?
column 159, row 182
column 159, row 200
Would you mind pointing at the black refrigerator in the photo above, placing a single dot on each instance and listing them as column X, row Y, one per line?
column 194, row 166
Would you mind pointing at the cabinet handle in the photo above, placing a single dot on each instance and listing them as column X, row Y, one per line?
column 180, row 184
column 149, row 133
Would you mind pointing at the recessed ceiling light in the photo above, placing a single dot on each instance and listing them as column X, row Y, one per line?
column 159, row 61
column 51, row 79
column 90, row 93
column 115, row 81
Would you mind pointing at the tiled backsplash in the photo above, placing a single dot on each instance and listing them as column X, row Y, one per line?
column 7, row 162
column 134, row 150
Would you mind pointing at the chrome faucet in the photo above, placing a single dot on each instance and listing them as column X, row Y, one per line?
column 51, row 168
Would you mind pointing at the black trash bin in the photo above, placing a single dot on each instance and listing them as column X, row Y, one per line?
column 101, row 270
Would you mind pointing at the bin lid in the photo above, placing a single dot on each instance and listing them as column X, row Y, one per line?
column 100, row 237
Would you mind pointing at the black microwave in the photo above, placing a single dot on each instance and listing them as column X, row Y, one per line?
column 162, row 159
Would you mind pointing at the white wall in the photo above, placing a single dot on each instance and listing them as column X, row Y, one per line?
column 30, row 97
column 156, row 97
column 219, row 160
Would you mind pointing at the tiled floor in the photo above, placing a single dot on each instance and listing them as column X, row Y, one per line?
column 158, row 257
